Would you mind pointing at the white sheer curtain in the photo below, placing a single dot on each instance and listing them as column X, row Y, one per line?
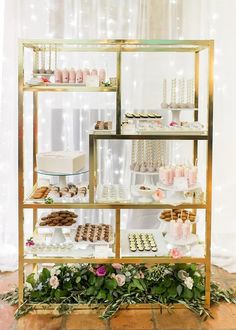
column 90, row 19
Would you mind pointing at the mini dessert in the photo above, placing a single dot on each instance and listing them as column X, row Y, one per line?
column 144, row 188
column 103, row 125
column 60, row 218
column 94, row 233
column 167, row 174
column 141, row 242
column 40, row 192
column 175, row 214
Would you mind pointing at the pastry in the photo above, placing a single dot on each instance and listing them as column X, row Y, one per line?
column 61, row 218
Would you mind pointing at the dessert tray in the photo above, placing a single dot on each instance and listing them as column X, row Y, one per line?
column 170, row 130
column 68, row 193
column 182, row 242
column 113, row 193
column 91, row 234
column 143, row 192
column 157, row 238
column 167, row 215
column 58, row 219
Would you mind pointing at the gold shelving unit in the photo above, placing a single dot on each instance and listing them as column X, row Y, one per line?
column 117, row 46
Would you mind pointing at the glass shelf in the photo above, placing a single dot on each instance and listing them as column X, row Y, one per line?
column 83, row 171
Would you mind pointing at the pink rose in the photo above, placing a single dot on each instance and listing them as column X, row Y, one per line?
column 120, row 279
column 117, row 266
column 175, row 253
column 158, row 195
column 54, row 282
column 101, row 271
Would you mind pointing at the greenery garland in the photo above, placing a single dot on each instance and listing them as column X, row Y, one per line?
column 114, row 285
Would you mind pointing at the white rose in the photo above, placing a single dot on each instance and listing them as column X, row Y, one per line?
column 55, row 271
column 120, row 279
column 36, row 276
column 28, row 286
column 54, row 282
column 189, row 283
column 182, row 274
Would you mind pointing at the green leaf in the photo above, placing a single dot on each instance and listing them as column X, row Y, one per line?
column 187, row 294
column 159, row 290
column 92, row 279
column 137, row 284
column 99, row 282
column 102, row 294
column 167, row 282
column 30, row 279
column 196, row 293
column 172, row 291
column 90, row 291
column 67, row 286
column 45, row 274
column 78, row 279
column 60, row 293
column 179, row 289
column 110, row 284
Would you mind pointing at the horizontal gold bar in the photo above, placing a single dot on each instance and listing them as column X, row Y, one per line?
column 131, row 260
column 112, row 206
column 158, row 49
column 46, row 308
column 149, row 137
column 146, row 42
column 68, row 88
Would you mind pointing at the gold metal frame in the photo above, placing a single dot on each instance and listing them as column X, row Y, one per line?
column 118, row 47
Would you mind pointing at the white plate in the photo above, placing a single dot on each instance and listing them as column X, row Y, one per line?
column 173, row 188
column 182, row 242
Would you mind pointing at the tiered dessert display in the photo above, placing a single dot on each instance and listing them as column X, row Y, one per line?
column 61, row 235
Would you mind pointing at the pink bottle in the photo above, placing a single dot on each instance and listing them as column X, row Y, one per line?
column 86, row 73
column 102, row 75
column 179, row 228
column 65, row 76
column 94, row 72
column 72, row 76
column 58, row 76
column 187, row 229
column 79, row 76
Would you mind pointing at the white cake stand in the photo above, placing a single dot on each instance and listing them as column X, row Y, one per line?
column 177, row 196
column 62, row 176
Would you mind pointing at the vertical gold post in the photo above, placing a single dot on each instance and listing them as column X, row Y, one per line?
column 196, row 104
column 209, row 173
column 91, row 168
column 20, row 174
column 35, row 147
column 117, row 233
column 118, row 92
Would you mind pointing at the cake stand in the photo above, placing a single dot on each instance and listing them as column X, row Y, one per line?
column 145, row 196
column 62, row 176
column 177, row 196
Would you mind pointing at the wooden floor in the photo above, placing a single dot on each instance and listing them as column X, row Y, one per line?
column 224, row 315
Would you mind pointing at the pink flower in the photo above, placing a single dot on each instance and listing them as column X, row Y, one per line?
column 117, row 266
column 120, row 279
column 158, row 195
column 54, row 282
column 175, row 253
column 101, row 271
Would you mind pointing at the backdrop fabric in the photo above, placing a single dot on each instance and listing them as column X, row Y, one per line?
column 66, row 119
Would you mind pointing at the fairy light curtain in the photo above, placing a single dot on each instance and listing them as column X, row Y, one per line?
column 65, row 121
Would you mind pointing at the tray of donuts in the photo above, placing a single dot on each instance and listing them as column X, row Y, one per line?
column 175, row 214
column 58, row 219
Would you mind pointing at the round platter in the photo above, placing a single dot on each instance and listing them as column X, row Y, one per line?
column 182, row 242
column 83, row 171
column 172, row 188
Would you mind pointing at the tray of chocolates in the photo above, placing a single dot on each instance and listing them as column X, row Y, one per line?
column 142, row 242
column 58, row 219
column 94, row 234
column 143, row 115
column 113, row 193
column 55, row 192
column 175, row 214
